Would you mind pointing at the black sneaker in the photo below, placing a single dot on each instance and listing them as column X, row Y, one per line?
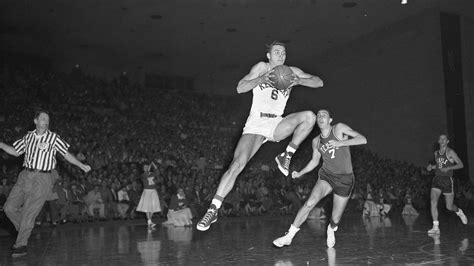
column 283, row 161
column 19, row 251
column 209, row 218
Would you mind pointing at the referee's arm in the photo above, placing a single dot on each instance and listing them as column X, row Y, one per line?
column 73, row 160
column 9, row 149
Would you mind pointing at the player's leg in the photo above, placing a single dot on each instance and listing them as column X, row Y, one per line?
column 449, row 198
column 435, row 193
column 247, row 146
column 338, row 207
column 320, row 190
column 300, row 125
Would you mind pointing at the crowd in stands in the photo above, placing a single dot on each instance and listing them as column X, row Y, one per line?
column 116, row 127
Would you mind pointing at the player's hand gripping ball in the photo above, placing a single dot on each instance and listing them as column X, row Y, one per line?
column 282, row 77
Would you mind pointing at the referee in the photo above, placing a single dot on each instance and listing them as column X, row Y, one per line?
column 35, row 182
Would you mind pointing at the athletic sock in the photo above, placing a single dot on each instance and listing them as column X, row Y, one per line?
column 217, row 201
column 291, row 148
column 333, row 225
column 293, row 230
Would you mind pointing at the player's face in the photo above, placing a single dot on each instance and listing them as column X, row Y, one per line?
column 443, row 140
column 323, row 119
column 42, row 121
column 277, row 55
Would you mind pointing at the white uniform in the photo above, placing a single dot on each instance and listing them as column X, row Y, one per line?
column 266, row 112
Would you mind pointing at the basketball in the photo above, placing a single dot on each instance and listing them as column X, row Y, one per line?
column 282, row 77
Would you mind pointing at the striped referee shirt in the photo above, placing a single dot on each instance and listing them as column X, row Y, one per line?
column 40, row 150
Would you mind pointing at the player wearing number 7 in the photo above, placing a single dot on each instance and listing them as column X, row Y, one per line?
column 335, row 175
column 446, row 160
column 265, row 122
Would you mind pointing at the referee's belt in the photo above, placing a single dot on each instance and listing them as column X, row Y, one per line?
column 268, row 115
column 37, row 170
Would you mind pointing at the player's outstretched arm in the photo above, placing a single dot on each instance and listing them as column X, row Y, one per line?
column 73, row 160
column 305, row 79
column 258, row 75
column 9, row 149
column 312, row 163
column 343, row 129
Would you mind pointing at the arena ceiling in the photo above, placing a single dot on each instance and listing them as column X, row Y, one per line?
column 190, row 36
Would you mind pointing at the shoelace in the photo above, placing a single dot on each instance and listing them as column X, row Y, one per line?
column 287, row 161
column 207, row 218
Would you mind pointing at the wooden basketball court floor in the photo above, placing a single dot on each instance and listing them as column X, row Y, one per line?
column 248, row 241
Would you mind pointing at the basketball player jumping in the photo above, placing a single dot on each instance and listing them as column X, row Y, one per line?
column 335, row 175
column 446, row 161
column 265, row 122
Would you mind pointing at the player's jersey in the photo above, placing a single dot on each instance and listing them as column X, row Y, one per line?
column 442, row 161
column 268, row 100
column 335, row 160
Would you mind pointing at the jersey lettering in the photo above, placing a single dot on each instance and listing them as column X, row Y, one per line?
column 265, row 86
column 150, row 181
column 442, row 162
column 327, row 147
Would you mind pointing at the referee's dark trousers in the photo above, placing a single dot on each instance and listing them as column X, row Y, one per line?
column 26, row 200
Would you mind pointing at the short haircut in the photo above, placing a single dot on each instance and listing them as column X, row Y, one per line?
column 444, row 134
column 325, row 110
column 38, row 112
column 270, row 46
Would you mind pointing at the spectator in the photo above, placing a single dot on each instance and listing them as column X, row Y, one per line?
column 65, row 203
column 124, row 203
column 77, row 198
column 110, row 205
column 94, row 201
column 179, row 213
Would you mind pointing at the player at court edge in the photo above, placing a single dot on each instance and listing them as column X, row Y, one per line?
column 265, row 121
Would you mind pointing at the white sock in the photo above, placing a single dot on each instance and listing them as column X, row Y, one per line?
column 293, row 230
column 216, row 203
column 435, row 224
column 459, row 211
column 290, row 148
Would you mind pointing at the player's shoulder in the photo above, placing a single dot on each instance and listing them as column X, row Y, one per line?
column 450, row 151
column 340, row 126
column 261, row 66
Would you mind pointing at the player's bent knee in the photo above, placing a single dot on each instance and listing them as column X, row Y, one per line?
column 310, row 117
column 8, row 209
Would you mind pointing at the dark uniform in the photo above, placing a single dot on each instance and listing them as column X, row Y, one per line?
column 337, row 165
column 35, row 182
column 443, row 180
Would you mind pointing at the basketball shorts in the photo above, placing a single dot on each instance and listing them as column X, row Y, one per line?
column 264, row 126
column 443, row 183
column 342, row 184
